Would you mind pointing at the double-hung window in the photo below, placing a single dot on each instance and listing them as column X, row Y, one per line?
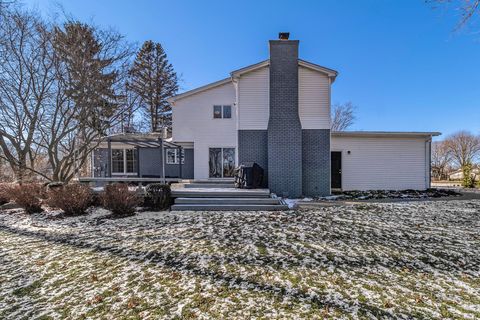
column 220, row 112
column 124, row 161
column 174, row 156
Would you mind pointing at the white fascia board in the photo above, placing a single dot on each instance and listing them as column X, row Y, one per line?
column 384, row 134
column 199, row 89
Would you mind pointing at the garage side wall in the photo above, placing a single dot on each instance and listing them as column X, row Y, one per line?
column 388, row 163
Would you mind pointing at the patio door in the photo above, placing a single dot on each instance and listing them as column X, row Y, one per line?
column 221, row 162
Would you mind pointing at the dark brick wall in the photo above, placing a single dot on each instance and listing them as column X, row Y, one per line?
column 316, row 162
column 284, row 128
column 252, row 146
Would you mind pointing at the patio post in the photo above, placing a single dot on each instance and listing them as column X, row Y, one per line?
column 137, row 151
column 180, row 150
column 163, row 158
column 109, row 157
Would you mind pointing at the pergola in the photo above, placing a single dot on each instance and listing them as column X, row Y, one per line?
column 138, row 140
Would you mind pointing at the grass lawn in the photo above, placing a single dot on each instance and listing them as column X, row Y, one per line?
column 402, row 260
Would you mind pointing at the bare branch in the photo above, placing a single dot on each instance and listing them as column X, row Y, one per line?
column 343, row 116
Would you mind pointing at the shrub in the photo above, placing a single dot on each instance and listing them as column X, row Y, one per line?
column 118, row 199
column 28, row 197
column 5, row 193
column 73, row 199
column 158, row 196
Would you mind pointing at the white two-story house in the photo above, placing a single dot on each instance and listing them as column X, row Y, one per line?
column 277, row 113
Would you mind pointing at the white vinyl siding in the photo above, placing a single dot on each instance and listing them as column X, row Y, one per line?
column 383, row 163
column 253, row 100
column 313, row 99
column 193, row 122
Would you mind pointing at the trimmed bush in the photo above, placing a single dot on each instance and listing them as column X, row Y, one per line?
column 158, row 196
column 74, row 199
column 118, row 199
column 5, row 193
column 28, row 197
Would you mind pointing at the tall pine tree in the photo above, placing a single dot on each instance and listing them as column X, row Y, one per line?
column 154, row 81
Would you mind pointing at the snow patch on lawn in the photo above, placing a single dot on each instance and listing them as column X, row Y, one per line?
column 392, row 260
column 293, row 203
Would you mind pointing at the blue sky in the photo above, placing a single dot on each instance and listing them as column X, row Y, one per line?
column 399, row 61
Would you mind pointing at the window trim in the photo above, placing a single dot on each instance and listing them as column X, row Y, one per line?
column 124, row 173
column 221, row 147
column 176, row 150
column 222, row 111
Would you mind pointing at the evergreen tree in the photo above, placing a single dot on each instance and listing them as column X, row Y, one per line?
column 87, row 75
column 154, row 81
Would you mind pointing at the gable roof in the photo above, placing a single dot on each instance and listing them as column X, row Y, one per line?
column 332, row 74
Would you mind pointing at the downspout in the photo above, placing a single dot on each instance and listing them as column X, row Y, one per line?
column 330, row 138
column 428, row 149
column 235, row 81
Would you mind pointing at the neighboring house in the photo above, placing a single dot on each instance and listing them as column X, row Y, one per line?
column 458, row 174
column 277, row 114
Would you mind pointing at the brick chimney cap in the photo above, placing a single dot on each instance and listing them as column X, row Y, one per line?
column 283, row 35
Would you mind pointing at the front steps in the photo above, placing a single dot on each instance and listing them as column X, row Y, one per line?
column 204, row 201
column 209, row 185
column 222, row 196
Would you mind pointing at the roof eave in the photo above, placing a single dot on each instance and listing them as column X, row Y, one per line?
column 239, row 72
column 384, row 134
column 332, row 74
column 329, row 72
column 199, row 89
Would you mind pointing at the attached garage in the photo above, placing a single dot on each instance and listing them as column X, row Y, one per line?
column 381, row 160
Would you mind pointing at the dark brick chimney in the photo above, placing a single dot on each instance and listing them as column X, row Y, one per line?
column 284, row 128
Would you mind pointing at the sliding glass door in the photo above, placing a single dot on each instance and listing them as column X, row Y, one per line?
column 221, row 162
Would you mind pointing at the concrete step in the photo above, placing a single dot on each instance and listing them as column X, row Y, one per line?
column 213, row 181
column 209, row 185
column 222, row 201
column 228, row 207
column 220, row 193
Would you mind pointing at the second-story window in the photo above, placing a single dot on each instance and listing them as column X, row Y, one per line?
column 227, row 112
column 220, row 112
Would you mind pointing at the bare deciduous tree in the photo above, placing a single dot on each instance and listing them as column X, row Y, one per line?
column 467, row 9
column 465, row 150
column 441, row 160
column 343, row 116
column 59, row 92
column 90, row 66
column 26, row 70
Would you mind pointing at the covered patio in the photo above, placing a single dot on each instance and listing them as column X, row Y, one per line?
column 138, row 158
